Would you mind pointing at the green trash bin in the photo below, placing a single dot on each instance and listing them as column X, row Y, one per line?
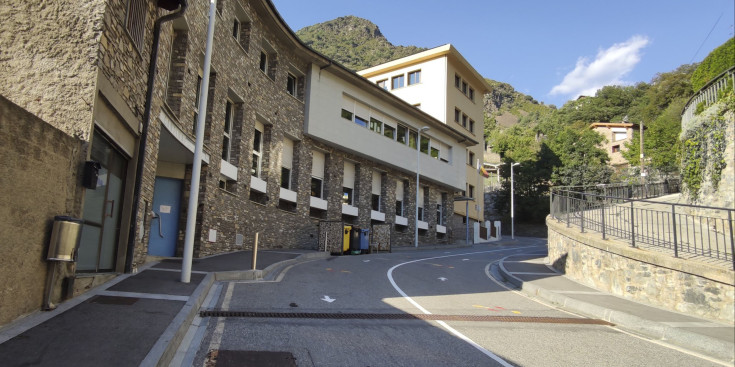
column 355, row 240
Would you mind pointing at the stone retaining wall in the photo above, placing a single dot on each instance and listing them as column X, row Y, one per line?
column 641, row 275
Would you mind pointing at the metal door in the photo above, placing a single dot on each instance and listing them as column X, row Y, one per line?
column 165, row 224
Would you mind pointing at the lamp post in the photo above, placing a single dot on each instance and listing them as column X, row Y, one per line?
column 512, row 204
column 418, row 161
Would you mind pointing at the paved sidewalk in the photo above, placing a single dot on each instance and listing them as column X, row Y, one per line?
column 537, row 279
column 134, row 319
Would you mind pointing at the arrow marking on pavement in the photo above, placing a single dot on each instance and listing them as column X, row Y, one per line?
column 328, row 299
column 366, row 261
column 465, row 259
column 443, row 279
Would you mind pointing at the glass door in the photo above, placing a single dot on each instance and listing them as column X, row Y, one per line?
column 102, row 210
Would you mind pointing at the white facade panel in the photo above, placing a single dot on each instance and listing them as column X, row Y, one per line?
column 399, row 190
column 317, row 164
column 377, row 183
column 349, row 176
column 287, row 159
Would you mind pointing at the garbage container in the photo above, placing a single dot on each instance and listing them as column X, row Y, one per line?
column 355, row 240
column 64, row 238
column 346, row 240
column 364, row 240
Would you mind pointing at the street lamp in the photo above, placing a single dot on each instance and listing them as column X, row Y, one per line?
column 512, row 207
column 418, row 161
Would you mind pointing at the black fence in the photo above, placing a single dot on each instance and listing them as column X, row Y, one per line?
column 623, row 212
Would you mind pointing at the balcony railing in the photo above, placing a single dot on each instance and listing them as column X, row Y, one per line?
column 708, row 94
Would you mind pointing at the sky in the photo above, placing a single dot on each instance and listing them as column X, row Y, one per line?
column 553, row 51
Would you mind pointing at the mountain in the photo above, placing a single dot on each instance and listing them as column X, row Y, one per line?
column 353, row 42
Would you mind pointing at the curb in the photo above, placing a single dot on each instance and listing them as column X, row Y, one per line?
column 261, row 274
column 685, row 339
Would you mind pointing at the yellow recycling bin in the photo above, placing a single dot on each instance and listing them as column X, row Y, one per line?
column 346, row 241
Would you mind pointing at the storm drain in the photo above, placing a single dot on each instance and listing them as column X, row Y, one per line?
column 243, row 358
column 399, row 316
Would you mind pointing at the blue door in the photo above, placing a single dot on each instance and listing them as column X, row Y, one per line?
column 165, row 223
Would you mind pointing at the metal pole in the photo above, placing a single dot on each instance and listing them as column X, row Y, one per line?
column 643, row 174
column 673, row 226
column 467, row 221
column 418, row 165
column 732, row 238
column 191, row 215
column 512, row 204
column 632, row 225
column 603, row 219
column 255, row 251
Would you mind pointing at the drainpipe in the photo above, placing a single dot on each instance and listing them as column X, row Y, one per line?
column 168, row 5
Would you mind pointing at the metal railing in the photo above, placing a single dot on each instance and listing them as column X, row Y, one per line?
column 678, row 228
column 708, row 94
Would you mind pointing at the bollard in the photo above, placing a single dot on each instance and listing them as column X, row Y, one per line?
column 255, row 250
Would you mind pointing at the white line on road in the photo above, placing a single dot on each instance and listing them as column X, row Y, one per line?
column 442, row 323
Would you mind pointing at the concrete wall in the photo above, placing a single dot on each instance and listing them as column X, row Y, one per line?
column 38, row 180
column 646, row 276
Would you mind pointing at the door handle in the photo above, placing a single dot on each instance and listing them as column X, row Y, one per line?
column 158, row 216
column 112, row 208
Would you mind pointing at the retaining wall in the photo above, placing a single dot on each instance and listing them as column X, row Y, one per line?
column 642, row 275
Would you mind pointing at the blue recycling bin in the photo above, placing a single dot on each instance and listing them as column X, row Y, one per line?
column 364, row 235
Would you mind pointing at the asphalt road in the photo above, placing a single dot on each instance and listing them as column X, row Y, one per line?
column 383, row 289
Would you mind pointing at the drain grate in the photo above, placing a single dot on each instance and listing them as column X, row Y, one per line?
column 399, row 316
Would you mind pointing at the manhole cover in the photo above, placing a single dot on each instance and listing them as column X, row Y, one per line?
column 246, row 358
column 110, row 300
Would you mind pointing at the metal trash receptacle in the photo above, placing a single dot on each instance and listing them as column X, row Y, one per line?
column 355, row 240
column 364, row 235
column 346, row 239
column 64, row 238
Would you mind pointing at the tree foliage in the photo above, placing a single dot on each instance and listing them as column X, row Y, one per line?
column 719, row 60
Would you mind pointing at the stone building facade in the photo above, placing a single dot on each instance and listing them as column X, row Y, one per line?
column 82, row 69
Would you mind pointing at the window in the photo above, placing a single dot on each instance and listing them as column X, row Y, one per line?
column 291, row 84
column 456, row 115
column 457, row 80
column 464, row 87
column 472, row 125
column 620, row 136
column 471, row 159
column 361, row 121
column 347, row 195
column 263, row 62
column 348, row 183
column 227, row 134
column 377, row 186
column 399, row 198
column 414, row 77
column 421, row 204
column 435, row 153
column 196, row 105
column 317, row 186
column 439, row 216
column 382, row 83
column 616, row 148
column 471, row 191
column 472, row 94
column 402, row 134
column 317, row 174
column 346, row 115
column 421, row 214
column 135, row 21
column 236, row 29
column 257, row 151
column 376, row 125
column 389, row 132
column 464, row 120
column 287, row 163
column 424, row 144
column 397, row 82
column 412, row 137
column 219, row 7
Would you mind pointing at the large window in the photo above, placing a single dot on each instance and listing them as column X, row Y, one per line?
column 348, row 183
column 464, row 121
column 399, row 198
column 457, row 113
column 439, row 216
column 317, row 174
column 402, row 134
column 471, row 191
column 263, row 62
column 377, row 186
column 361, row 121
column 412, row 137
column 383, row 83
column 472, row 125
column 471, row 159
column 397, row 82
column 414, row 77
column 346, row 115
column 425, row 144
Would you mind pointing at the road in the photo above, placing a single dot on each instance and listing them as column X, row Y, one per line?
column 356, row 311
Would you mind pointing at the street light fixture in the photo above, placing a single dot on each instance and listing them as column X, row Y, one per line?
column 418, row 161
column 512, row 205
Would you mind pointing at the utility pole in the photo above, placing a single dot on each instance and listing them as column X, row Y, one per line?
column 642, row 156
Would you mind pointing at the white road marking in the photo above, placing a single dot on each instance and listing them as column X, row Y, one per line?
column 443, row 279
column 328, row 299
column 442, row 323
column 216, row 340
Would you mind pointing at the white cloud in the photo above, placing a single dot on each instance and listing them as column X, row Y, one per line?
column 608, row 68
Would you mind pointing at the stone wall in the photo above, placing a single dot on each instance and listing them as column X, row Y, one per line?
column 645, row 276
column 38, row 180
